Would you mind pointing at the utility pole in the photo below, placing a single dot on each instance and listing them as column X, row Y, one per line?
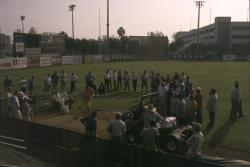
column 22, row 19
column 100, row 42
column 71, row 9
column 108, row 25
column 210, row 18
column 199, row 4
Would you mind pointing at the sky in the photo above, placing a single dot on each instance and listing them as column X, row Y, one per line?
column 138, row 17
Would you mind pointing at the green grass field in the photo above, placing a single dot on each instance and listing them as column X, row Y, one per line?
column 204, row 74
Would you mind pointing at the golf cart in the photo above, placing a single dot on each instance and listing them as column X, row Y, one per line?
column 172, row 136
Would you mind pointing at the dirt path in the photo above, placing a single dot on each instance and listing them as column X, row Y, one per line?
column 72, row 122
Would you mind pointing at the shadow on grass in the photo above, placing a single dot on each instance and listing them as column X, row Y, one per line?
column 221, row 133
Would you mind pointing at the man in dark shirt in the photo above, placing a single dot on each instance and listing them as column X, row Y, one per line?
column 90, row 124
column 88, row 142
column 54, row 80
column 7, row 83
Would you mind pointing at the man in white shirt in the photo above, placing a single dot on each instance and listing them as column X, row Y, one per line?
column 23, row 85
column 236, row 101
column 15, row 106
column 162, row 90
column 117, row 129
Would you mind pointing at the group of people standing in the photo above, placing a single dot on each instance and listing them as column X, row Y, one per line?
column 19, row 103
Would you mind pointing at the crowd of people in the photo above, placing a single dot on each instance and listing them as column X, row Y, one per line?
column 176, row 93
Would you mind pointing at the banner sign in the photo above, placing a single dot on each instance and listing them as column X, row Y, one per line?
column 71, row 59
column 19, row 47
column 45, row 61
column 56, row 60
column 33, row 51
column 5, row 63
column 88, row 59
column 19, row 63
column 228, row 58
column 33, row 61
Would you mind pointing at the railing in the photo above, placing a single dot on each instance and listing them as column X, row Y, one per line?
column 72, row 142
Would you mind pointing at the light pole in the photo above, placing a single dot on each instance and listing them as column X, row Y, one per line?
column 108, row 25
column 22, row 19
column 199, row 4
column 71, row 9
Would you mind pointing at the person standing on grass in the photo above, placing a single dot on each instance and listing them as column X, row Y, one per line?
column 90, row 79
column 150, row 140
column 54, row 80
column 236, row 102
column 144, row 81
column 73, row 81
column 31, row 84
column 115, row 79
column 15, row 106
column 126, row 79
column 191, row 107
column 87, row 97
column 119, row 75
column 162, row 90
column 134, row 81
column 117, row 129
column 107, row 78
column 47, row 83
column 23, row 84
column 8, row 83
column 63, row 78
column 212, row 106
column 198, row 98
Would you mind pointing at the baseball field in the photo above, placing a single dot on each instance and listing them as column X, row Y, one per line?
column 220, row 75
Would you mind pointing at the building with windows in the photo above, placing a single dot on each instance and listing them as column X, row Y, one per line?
column 5, row 45
column 223, row 32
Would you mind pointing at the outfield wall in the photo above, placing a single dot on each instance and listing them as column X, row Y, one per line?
column 52, row 60
column 224, row 58
column 48, row 60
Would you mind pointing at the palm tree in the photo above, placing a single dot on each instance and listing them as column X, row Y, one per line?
column 121, row 32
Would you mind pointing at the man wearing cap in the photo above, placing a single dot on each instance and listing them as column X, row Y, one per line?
column 150, row 115
column 117, row 129
column 195, row 142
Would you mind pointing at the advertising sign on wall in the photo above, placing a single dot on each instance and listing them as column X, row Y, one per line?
column 228, row 57
column 33, row 61
column 97, row 58
column 19, row 63
column 19, row 47
column 88, row 59
column 5, row 64
column 56, row 60
column 45, row 61
column 71, row 59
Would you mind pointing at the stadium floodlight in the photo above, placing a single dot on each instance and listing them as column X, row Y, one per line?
column 71, row 9
column 22, row 19
column 199, row 4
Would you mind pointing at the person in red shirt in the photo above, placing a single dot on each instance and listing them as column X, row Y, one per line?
column 87, row 97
